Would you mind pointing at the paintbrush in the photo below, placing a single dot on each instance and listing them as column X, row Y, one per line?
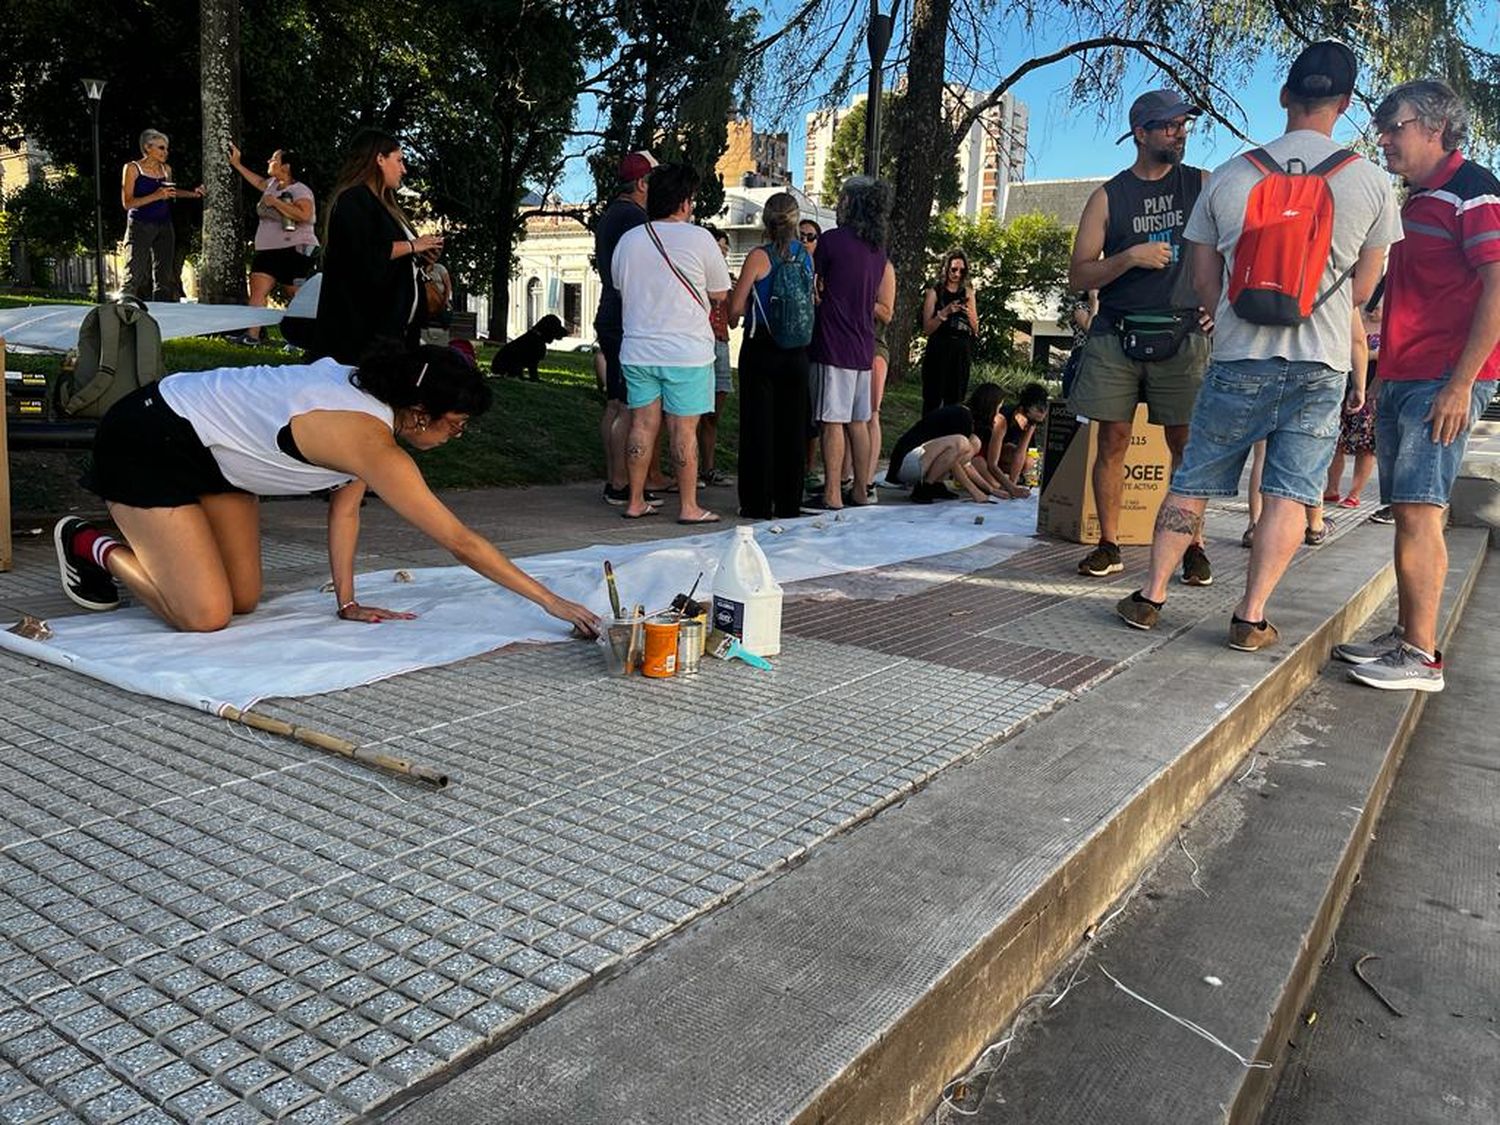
column 726, row 646
column 637, row 639
column 614, row 592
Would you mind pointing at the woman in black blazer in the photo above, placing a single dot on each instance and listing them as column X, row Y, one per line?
column 371, row 254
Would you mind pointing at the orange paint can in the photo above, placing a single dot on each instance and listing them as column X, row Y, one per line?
column 661, row 650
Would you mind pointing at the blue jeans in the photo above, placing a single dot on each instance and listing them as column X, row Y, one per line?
column 1294, row 405
column 1414, row 469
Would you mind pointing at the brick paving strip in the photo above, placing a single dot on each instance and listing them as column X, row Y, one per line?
column 199, row 922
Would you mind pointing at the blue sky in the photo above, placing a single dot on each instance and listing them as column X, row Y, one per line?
column 1069, row 141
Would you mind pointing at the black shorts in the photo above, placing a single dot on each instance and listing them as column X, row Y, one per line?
column 148, row 456
column 614, row 374
column 289, row 266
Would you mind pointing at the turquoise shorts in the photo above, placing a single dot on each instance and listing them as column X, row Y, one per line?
column 683, row 391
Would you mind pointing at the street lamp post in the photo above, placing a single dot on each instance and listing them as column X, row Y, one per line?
column 877, row 39
column 94, row 88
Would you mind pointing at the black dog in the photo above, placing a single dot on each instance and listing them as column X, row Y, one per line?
column 522, row 355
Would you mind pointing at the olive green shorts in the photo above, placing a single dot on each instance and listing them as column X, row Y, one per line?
column 1110, row 384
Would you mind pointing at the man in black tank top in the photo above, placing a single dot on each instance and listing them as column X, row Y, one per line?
column 1129, row 248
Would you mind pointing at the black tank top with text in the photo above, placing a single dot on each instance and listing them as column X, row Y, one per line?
column 1150, row 211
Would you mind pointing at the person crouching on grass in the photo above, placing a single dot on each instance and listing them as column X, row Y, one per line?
column 182, row 463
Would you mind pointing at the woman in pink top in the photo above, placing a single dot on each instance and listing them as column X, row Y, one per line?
column 285, row 241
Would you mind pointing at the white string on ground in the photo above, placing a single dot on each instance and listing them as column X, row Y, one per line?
column 1196, row 1029
column 1193, row 877
column 1248, row 769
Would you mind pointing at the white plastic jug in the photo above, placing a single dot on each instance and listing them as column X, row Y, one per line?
column 747, row 600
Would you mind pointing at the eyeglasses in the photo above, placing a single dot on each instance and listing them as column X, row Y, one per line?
column 1395, row 127
column 456, row 427
column 1180, row 128
column 807, row 236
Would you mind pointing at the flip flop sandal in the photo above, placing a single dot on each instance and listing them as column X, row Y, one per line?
column 1349, row 502
column 707, row 517
column 640, row 515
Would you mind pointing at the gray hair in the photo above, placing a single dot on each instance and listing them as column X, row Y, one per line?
column 865, row 208
column 1435, row 105
column 151, row 136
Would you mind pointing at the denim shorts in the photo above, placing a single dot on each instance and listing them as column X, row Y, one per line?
column 1293, row 404
column 684, row 391
column 1414, row 469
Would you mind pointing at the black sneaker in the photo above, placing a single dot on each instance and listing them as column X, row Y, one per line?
column 84, row 581
column 619, row 497
column 1195, row 568
column 1103, row 559
column 1383, row 515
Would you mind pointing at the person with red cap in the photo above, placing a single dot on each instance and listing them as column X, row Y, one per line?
column 626, row 211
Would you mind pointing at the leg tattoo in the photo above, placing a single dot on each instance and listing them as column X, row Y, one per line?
column 1180, row 521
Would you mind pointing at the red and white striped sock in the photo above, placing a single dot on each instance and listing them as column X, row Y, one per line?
column 94, row 544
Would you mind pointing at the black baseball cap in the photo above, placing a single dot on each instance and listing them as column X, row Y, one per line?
column 1325, row 69
column 1158, row 105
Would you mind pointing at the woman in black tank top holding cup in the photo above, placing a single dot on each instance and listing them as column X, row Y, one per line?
column 950, row 317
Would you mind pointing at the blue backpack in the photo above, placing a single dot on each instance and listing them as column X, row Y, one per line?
column 790, row 315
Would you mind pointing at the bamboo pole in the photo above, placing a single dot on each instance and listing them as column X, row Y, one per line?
column 319, row 740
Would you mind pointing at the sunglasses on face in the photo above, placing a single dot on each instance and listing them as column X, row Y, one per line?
column 1170, row 128
column 1394, row 128
column 807, row 236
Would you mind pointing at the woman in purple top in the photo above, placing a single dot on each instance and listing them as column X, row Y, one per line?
column 851, row 266
column 146, row 189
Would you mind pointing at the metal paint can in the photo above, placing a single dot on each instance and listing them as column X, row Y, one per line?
column 661, row 650
column 691, row 638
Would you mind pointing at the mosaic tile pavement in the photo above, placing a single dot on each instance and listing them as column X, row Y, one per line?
column 203, row 923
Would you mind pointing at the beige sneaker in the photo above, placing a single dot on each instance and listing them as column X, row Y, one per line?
column 1137, row 612
column 1246, row 637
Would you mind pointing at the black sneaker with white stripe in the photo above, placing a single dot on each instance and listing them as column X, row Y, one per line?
column 84, row 581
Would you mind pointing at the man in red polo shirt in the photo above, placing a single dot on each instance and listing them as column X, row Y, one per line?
column 1438, row 362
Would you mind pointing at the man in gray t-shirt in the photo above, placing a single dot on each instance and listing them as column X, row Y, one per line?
column 1283, row 384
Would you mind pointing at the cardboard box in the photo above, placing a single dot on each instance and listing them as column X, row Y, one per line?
column 1069, row 450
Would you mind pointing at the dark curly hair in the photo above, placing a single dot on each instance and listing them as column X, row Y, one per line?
column 435, row 380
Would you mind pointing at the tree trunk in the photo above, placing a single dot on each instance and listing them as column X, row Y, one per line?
column 917, row 120
column 221, row 269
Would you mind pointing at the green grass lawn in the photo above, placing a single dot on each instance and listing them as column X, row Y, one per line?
column 536, row 433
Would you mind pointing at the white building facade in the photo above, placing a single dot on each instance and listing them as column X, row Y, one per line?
column 991, row 156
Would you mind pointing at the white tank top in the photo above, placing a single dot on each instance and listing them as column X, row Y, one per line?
column 238, row 411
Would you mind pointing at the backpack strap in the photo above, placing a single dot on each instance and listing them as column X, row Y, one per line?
column 671, row 265
column 1264, row 162
column 1333, row 163
column 755, row 290
column 109, row 357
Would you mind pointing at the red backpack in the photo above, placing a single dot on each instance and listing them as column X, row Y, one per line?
column 1283, row 247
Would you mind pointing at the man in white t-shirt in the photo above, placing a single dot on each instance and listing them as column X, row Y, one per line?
column 1278, row 374
column 669, row 272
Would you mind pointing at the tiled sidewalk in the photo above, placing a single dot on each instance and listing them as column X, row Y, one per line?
column 198, row 922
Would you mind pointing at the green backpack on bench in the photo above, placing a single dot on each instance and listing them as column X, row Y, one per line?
column 119, row 349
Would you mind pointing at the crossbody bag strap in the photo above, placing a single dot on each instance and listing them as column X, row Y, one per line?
column 671, row 265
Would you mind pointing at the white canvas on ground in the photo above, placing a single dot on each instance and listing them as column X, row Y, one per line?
column 294, row 645
column 54, row 328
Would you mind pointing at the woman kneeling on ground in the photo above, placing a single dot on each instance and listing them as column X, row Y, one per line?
column 182, row 464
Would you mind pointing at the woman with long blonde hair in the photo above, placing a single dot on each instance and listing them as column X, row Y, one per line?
column 773, row 375
column 371, row 255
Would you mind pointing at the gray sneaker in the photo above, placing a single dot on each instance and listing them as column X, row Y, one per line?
column 1103, row 559
column 1403, row 668
column 1362, row 652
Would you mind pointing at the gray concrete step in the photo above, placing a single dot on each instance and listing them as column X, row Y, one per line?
column 1426, row 905
column 852, row 987
column 1227, row 930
